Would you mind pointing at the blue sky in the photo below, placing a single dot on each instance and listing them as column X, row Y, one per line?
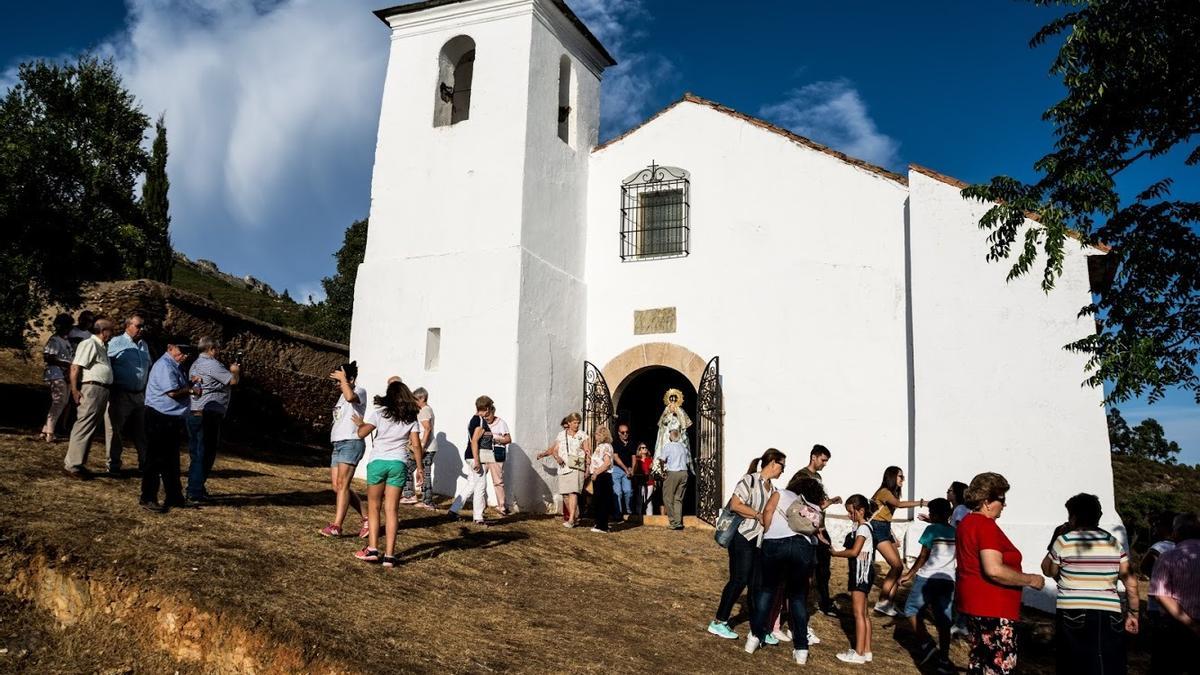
column 272, row 106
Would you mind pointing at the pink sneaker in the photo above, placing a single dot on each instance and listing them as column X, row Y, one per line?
column 409, row 500
column 427, row 507
column 367, row 555
column 331, row 530
column 365, row 531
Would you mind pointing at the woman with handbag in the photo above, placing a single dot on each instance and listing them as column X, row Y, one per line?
column 570, row 450
column 494, row 456
column 471, row 486
column 790, row 526
column 748, row 502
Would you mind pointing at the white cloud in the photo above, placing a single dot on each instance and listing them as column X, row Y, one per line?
column 633, row 86
column 833, row 113
column 258, row 102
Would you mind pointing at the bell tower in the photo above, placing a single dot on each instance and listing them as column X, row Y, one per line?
column 472, row 281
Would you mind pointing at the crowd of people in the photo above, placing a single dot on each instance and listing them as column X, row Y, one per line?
column 102, row 379
column 968, row 573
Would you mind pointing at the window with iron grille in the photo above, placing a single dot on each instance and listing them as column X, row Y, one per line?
column 654, row 214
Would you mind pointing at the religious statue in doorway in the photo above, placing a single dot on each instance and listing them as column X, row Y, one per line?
column 673, row 417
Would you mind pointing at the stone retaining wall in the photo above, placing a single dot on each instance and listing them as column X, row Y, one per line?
column 285, row 392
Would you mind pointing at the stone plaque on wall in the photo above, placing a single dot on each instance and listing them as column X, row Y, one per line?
column 650, row 321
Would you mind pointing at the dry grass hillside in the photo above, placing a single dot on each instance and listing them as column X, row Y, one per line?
column 247, row 584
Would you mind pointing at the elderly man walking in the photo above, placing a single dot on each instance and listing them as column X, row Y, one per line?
column 678, row 461
column 207, row 414
column 130, row 358
column 168, row 395
column 91, row 377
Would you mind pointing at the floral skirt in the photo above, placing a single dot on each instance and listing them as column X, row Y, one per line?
column 993, row 644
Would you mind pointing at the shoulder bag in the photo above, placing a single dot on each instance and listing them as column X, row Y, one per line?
column 728, row 522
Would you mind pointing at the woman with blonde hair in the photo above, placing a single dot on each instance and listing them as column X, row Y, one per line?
column 570, row 450
column 602, row 494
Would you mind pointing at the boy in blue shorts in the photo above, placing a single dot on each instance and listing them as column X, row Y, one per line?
column 932, row 577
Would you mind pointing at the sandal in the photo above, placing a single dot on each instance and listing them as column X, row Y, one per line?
column 390, row 561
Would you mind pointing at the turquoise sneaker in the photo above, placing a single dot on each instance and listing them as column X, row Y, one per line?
column 721, row 629
column 770, row 640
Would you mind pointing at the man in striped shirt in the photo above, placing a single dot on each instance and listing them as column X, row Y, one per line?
column 1087, row 561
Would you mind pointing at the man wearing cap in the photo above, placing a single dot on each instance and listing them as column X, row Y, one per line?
column 91, row 377
column 168, row 399
column 130, row 358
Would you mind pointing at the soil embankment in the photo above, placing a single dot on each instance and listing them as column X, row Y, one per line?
column 247, row 585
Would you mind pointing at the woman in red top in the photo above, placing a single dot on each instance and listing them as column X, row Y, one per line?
column 990, row 580
column 643, row 480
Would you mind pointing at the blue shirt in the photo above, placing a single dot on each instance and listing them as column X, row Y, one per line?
column 130, row 362
column 166, row 375
column 214, row 385
column 676, row 456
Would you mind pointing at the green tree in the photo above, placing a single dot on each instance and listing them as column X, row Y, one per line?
column 1147, row 440
column 70, row 153
column 156, row 209
column 1132, row 84
column 330, row 318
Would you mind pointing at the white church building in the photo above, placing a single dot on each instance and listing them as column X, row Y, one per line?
column 794, row 294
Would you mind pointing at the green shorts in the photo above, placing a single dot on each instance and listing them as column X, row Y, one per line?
column 392, row 471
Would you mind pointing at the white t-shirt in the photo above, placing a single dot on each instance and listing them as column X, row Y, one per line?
column 941, row 563
column 959, row 513
column 391, row 436
column 426, row 415
column 499, row 428
column 866, row 555
column 344, row 428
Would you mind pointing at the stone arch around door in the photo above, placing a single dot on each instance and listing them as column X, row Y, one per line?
column 651, row 354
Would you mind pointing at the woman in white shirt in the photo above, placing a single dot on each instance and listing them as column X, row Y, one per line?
column 393, row 420
column 571, row 450
column 348, row 448
column 788, row 558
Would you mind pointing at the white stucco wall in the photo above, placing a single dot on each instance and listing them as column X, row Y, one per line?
column 795, row 278
column 476, row 228
column 995, row 390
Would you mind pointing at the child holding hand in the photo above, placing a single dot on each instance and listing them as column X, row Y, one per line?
column 860, row 555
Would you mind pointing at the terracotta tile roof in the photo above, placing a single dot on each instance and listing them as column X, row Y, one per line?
column 763, row 124
column 411, row 7
column 951, row 180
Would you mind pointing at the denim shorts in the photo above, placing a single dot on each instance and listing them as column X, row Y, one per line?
column 348, row 452
column 881, row 530
column 937, row 593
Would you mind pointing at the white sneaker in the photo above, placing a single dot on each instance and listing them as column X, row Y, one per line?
column 886, row 608
column 850, row 656
column 596, row 529
column 867, row 657
column 783, row 635
column 800, row 656
column 752, row 644
column 812, row 638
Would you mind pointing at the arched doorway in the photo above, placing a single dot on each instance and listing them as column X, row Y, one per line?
column 638, row 402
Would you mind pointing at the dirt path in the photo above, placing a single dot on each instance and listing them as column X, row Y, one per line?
column 525, row 595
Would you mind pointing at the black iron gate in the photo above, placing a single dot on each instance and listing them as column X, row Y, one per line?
column 597, row 402
column 710, row 441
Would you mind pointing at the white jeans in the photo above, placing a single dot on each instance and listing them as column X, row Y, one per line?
column 472, row 487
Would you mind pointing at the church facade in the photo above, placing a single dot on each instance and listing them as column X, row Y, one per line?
column 511, row 254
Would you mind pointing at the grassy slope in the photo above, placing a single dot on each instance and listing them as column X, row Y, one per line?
column 1144, row 486
column 265, row 308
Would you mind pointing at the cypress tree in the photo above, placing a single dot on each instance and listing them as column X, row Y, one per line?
column 156, row 207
